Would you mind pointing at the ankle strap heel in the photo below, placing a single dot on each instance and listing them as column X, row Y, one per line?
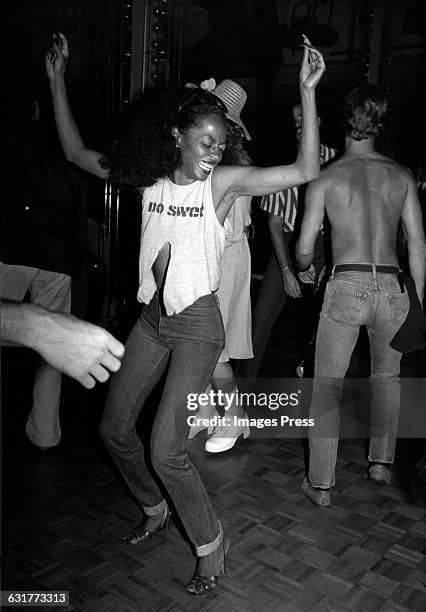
column 200, row 584
column 141, row 533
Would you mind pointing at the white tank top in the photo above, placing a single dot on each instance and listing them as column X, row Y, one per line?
column 184, row 216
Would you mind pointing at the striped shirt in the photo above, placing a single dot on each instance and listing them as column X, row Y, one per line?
column 284, row 203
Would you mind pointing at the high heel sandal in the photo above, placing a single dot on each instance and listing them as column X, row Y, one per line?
column 141, row 533
column 199, row 584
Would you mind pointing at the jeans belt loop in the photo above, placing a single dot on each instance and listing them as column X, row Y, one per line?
column 376, row 285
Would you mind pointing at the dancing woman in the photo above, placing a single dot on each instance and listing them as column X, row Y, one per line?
column 172, row 153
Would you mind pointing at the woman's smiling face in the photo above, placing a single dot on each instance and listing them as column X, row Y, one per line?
column 201, row 147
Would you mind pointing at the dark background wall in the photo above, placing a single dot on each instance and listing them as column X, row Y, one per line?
column 91, row 25
column 256, row 42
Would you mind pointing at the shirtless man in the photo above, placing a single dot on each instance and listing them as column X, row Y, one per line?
column 365, row 195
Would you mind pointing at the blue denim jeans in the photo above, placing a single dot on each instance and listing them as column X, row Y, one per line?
column 353, row 299
column 188, row 344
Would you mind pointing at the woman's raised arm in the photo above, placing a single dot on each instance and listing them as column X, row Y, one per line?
column 69, row 135
column 260, row 181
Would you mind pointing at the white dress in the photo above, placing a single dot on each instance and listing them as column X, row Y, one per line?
column 234, row 288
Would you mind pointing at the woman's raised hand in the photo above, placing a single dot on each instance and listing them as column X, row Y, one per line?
column 313, row 65
column 57, row 56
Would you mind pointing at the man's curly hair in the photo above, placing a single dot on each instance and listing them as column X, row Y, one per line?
column 365, row 112
column 147, row 151
column 235, row 152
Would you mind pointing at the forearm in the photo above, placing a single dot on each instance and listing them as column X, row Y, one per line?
column 69, row 134
column 308, row 157
column 417, row 263
column 19, row 324
column 279, row 246
column 68, row 131
column 304, row 256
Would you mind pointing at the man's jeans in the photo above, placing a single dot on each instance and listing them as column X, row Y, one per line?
column 353, row 299
column 189, row 345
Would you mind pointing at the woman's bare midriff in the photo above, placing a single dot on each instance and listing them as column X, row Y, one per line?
column 160, row 264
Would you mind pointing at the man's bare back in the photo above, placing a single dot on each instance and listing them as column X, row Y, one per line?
column 364, row 197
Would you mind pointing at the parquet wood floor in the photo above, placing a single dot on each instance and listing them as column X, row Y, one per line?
column 64, row 514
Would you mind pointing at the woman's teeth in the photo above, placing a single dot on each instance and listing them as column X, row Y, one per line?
column 205, row 166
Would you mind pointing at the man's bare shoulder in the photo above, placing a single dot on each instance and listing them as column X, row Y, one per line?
column 394, row 165
column 398, row 174
column 347, row 163
column 327, row 174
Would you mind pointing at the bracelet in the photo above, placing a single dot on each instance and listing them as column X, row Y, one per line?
column 284, row 268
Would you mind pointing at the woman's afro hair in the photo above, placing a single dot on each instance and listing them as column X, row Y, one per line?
column 147, row 150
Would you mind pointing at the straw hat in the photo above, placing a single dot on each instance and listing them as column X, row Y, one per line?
column 234, row 98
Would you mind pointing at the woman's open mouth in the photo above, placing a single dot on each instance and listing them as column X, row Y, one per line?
column 206, row 166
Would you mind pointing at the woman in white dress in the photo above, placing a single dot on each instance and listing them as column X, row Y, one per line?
column 234, row 289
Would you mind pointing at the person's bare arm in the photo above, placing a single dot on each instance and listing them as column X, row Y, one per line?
column 281, row 254
column 260, row 181
column 311, row 223
column 413, row 228
column 69, row 135
column 79, row 349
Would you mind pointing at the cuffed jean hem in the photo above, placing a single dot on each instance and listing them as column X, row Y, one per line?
column 160, row 508
column 384, row 461
column 206, row 549
column 321, row 485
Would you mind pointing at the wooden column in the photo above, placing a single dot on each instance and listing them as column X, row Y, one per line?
column 375, row 55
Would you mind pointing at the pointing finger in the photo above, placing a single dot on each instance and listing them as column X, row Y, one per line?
column 305, row 55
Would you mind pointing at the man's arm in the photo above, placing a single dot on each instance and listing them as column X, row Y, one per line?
column 311, row 223
column 290, row 283
column 69, row 135
column 79, row 349
column 413, row 228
